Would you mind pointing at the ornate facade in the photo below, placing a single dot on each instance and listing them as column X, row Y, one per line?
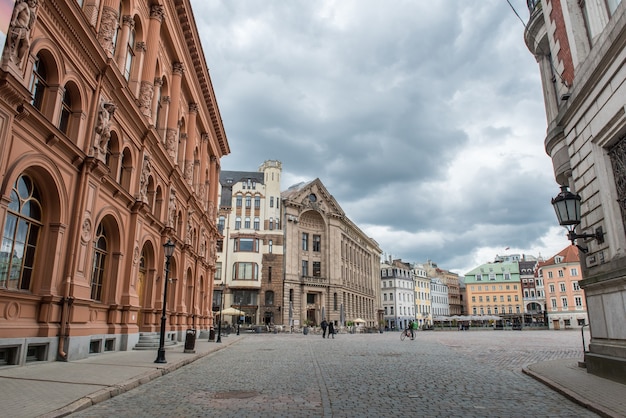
column 579, row 46
column 110, row 145
column 332, row 269
column 250, row 258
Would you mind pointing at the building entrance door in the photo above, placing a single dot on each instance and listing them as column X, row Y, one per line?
column 555, row 323
column 267, row 319
column 310, row 316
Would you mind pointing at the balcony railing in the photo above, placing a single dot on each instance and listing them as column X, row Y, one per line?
column 314, row 280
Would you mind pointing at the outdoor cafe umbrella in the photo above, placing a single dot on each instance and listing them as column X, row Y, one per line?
column 359, row 321
column 232, row 311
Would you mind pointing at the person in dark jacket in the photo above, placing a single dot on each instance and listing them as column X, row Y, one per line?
column 324, row 325
column 331, row 329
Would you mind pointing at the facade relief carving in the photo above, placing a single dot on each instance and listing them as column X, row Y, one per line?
column 157, row 11
column 171, row 143
column 108, row 29
column 145, row 98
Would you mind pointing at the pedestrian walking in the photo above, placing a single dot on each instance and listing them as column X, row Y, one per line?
column 324, row 325
column 331, row 329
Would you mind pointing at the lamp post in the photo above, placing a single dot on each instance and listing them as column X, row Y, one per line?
column 169, row 250
column 239, row 317
column 219, row 324
column 567, row 207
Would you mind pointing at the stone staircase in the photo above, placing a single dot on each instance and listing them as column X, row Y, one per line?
column 150, row 341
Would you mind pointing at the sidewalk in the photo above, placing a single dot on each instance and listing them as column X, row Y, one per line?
column 602, row 396
column 57, row 389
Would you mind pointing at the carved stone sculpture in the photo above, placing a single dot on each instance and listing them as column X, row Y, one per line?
column 22, row 21
column 103, row 128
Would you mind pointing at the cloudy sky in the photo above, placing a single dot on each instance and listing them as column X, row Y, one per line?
column 424, row 119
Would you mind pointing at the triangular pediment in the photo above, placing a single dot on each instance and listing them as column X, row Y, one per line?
column 313, row 195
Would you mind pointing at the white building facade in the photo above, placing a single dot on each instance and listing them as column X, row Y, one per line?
column 580, row 49
column 439, row 298
column 398, row 294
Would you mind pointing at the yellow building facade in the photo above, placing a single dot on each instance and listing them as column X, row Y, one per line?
column 495, row 289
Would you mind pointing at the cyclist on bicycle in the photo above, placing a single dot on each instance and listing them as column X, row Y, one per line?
column 410, row 328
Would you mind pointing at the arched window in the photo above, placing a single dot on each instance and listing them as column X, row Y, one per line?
column 66, row 112
column 21, row 231
column 130, row 52
column 99, row 260
column 38, row 83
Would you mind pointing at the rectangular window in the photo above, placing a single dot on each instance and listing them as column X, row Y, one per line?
column 247, row 223
column 245, row 271
column 246, row 244
column 317, row 243
column 560, row 273
column 239, row 201
column 551, row 287
column 479, row 277
column 573, row 271
column 562, row 287
column 550, row 275
column 218, row 271
column 305, row 268
column 317, row 269
column 257, row 202
column 270, row 246
column 310, row 298
column 564, row 302
column 553, row 302
column 507, row 276
column 271, row 201
column 257, row 224
column 575, row 286
column 305, row 241
column 269, row 274
column 578, row 301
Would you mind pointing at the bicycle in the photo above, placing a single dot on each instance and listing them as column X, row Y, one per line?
column 406, row 333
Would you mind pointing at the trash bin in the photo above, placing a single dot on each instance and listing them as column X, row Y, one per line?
column 190, row 341
column 305, row 330
column 211, row 334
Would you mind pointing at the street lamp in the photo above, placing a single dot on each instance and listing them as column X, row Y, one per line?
column 239, row 316
column 219, row 324
column 169, row 251
column 567, row 207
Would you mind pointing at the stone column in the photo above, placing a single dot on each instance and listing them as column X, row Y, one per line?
column 204, row 165
column 158, row 83
column 214, row 172
column 191, row 143
column 171, row 135
column 146, row 90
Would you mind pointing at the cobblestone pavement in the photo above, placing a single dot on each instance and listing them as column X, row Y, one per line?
column 441, row 374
